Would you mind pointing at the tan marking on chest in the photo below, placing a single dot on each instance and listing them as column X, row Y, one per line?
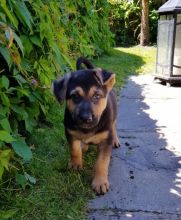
column 90, row 137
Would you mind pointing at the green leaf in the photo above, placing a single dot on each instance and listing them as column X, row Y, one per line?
column 31, row 179
column 5, row 82
column 20, row 79
column 7, row 214
column 3, row 17
column 5, row 153
column 6, row 137
column 5, row 124
column 19, row 110
column 42, row 108
column 4, row 111
column 9, row 14
column 28, row 47
column 36, row 41
column 26, row 65
column 5, row 53
column 58, row 56
column 4, row 157
column 2, row 116
column 5, row 99
column 29, row 124
column 67, row 60
column 22, row 13
column 19, row 43
column 37, row 95
column 22, row 150
column 5, row 162
column 1, row 170
column 24, row 92
column 21, row 180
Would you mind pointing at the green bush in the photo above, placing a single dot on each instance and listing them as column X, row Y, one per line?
column 40, row 39
column 125, row 21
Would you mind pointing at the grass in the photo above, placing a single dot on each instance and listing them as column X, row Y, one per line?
column 60, row 193
column 128, row 61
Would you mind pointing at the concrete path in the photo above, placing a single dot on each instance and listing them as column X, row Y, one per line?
column 145, row 173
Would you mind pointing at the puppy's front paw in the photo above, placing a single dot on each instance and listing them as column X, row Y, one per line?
column 76, row 165
column 100, row 185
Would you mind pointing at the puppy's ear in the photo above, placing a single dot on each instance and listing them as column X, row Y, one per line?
column 98, row 76
column 110, row 81
column 59, row 87
column 105, row 78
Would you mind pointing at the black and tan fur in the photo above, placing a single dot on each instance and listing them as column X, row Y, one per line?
column 90, row 117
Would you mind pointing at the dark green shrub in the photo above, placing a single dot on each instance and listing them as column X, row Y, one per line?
column 40, row 39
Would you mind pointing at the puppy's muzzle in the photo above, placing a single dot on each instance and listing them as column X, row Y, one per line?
column 86, row 117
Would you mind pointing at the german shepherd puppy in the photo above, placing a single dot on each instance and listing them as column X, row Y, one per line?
column 90, row 117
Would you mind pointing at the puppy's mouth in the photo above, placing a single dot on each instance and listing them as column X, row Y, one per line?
column 87, row 125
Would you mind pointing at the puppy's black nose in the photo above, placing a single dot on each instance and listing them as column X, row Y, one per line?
column 86, row 117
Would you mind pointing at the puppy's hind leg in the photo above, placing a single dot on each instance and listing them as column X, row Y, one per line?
column 116, row 142
column 84, row 147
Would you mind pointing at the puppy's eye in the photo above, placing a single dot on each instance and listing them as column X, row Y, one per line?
column 76, row 97
column 96, row 97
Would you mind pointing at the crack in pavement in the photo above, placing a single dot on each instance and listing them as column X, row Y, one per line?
column 116, row 210
column 154, row 168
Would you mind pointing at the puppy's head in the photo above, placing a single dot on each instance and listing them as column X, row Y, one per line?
column 85, row 92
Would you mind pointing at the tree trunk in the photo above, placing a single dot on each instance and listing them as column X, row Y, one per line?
column 144, row 37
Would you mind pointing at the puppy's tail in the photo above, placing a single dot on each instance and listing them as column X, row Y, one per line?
column 85, row 61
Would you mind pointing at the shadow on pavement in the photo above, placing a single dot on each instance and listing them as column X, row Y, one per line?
column 145, row 173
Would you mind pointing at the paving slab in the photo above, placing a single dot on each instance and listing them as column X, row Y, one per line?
column 145, row 172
